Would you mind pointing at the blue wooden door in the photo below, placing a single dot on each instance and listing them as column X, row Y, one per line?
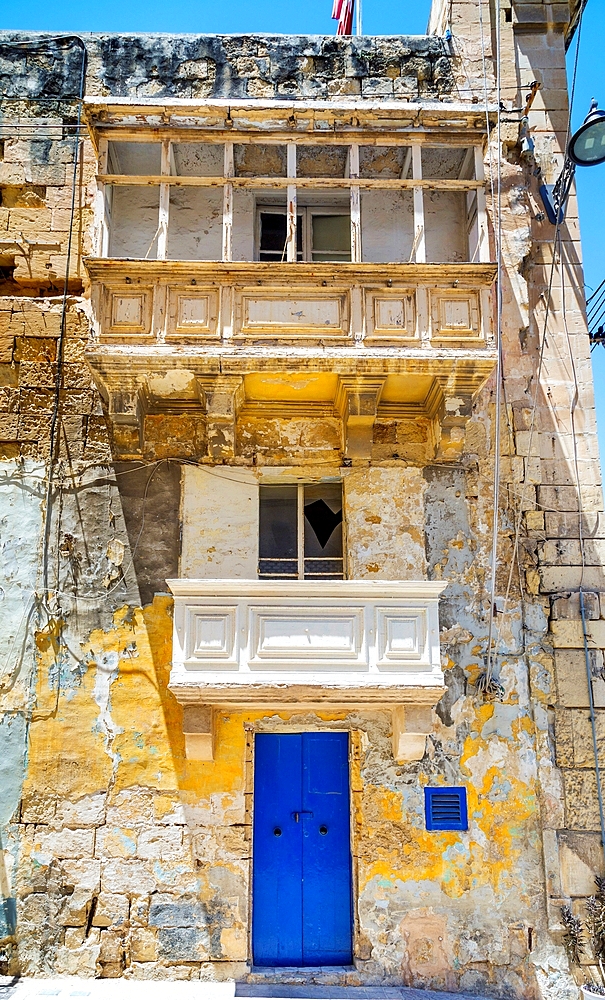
column 301, row 902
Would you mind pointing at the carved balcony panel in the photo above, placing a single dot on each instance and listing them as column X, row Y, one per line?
column 352, row 341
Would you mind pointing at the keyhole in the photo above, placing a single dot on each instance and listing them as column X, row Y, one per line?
column 323, row 830
column 277, row 832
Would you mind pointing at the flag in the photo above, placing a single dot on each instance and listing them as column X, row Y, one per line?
column 342, row 11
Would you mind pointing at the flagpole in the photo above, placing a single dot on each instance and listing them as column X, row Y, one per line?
column 358, row 18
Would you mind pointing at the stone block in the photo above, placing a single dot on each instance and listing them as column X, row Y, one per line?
column 581, row 804
column 571, row 578
column 189, row 944
column 111, row 970
column 568, row 633
column 112, row 947
column 581, row 858
column 170, row 911
column 76, row 908
column 128, row 876
column 565, row 498
column 569, row 606
column 132, row 807
column 234, row 944
column 37, row 808
column 112, row 910
column 143, row 945
column 67, row 843
column 116, row 842
column 163, row 844
column 198, row 727
column 583, row 753
column 84, row 874
column 570, row 672
column 567, row 525
column 77, row 962
column 74, row 937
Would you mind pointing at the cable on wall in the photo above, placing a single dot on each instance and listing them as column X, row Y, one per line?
column 486, row 683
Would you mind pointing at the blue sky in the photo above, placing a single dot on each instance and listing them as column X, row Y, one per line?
column 313, row 17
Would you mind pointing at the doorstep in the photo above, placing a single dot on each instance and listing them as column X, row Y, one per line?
column 75, row 988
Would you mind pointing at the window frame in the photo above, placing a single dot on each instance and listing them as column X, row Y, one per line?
column 300, row 536
column 306, row 212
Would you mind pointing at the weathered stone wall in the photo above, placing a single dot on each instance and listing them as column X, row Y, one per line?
column 119, row 856
column 229, row 66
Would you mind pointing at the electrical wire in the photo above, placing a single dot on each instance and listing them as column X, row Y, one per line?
column 54, row 436
column 498, row 400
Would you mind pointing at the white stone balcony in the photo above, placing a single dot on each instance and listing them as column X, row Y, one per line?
column 249, row 644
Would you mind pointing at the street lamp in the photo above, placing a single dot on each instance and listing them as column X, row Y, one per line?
column 586, row 148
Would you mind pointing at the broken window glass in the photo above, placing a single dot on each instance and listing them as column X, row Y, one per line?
column 323, row 531
column 300, row 532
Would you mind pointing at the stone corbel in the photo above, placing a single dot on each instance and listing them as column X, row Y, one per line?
column 411, row 726
column 198, row 727
column 455, row 412
column 357, row 402
column 224, row 396
column 126, row 410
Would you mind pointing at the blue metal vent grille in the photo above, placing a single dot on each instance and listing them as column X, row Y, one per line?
column 445, row 809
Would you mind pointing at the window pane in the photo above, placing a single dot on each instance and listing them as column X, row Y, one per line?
column 256, row 159
column 278, row 531
column 134, row 222
column 143, row 158
column 323, row 530
column 331, row 237
column 198, row 159
column 273, row 234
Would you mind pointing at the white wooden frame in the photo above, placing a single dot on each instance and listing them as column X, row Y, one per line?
column 300, row 531
column 290, row 185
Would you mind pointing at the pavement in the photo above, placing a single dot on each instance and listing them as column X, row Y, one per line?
column 74, row 988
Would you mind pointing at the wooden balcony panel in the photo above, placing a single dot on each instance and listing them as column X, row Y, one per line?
column 230, row 306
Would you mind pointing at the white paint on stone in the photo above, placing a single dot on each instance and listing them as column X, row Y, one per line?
column 219, row 512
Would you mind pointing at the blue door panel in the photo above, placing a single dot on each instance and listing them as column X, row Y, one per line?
column 326, row 850
column 302, row 862
column 277, row 877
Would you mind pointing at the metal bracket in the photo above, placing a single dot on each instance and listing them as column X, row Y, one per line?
column 554, row 196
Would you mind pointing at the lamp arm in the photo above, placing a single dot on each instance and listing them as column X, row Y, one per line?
column 554, row 196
